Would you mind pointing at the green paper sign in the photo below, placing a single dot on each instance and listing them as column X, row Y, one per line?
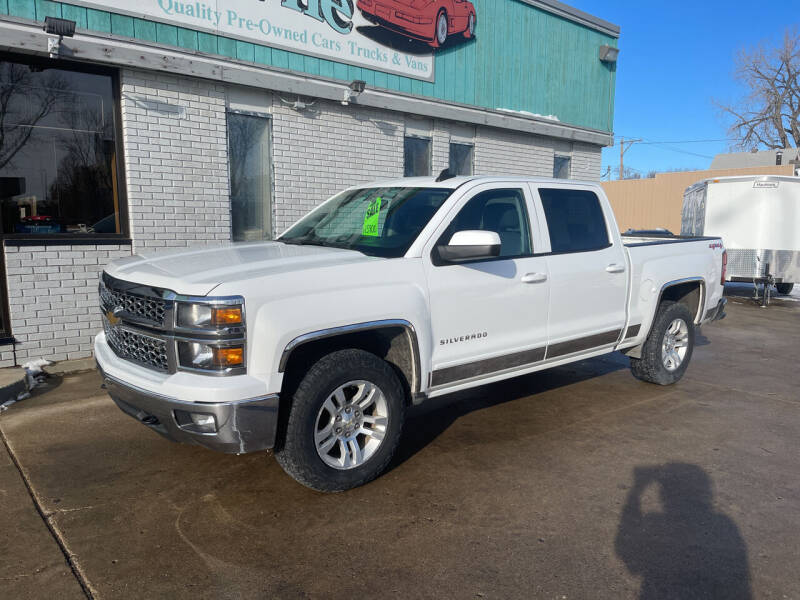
column 371, row 218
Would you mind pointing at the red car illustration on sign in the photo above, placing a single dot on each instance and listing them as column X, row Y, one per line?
column 431, row 21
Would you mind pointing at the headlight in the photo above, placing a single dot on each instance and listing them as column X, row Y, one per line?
column 210, row 335
column 210, row 357
column 209, row 316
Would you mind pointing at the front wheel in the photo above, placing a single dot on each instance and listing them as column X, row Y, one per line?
column 344, row 422
column 784, row 289
column 442, row 29
column 668, row 348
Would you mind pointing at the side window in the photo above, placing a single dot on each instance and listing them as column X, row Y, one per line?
column 575, row 220
column 502, row 211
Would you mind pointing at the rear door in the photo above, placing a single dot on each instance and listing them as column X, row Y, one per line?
column 488, row 316
column 587, row 268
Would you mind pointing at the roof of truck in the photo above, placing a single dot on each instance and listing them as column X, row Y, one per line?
column 456, row 182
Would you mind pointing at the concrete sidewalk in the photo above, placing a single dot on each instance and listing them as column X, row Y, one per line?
column 32, row 564
column 580, row 482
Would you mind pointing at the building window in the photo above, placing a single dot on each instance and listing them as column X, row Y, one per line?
column 249, row 155
column 417, row 157
column 461, row 158
column 59, row 151
column 561, row 166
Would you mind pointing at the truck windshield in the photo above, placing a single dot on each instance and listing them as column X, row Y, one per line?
column 375, row 221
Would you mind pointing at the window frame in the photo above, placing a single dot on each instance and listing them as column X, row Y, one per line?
column 568, row 158
column 527, row 205
column 273, row 233
column 472, row 156
column 429, row 140
column 122, row 196
column 545, row 232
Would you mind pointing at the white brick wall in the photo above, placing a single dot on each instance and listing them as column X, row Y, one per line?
column 323, row 150
column 320, row 151
column 52, row 293
column 176, row 159
column 586, row 162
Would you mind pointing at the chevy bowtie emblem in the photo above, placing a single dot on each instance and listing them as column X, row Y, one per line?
column 113, row 315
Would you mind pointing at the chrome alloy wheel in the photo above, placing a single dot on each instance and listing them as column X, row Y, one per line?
column 471, row 24
column 351, row 425
column 441, row 28
column 675, row 344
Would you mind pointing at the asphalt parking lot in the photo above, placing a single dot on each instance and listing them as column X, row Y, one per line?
column 580, row 482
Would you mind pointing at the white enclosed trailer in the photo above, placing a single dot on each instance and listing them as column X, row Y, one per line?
column 758, row 219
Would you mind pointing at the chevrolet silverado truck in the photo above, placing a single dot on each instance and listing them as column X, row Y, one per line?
column 315, row 345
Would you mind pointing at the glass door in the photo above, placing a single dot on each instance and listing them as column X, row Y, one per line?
column 250, row 164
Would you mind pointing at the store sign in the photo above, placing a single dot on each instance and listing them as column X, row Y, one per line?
column 332, row 29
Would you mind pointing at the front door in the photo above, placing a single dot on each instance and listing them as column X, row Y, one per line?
column 489, row 316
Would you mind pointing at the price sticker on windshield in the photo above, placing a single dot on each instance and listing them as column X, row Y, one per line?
column 371, row 219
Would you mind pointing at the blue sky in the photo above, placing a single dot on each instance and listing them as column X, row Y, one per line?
column 675, row 57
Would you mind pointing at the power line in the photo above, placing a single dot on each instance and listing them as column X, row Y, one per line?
column 666, row 145
column 690, row 141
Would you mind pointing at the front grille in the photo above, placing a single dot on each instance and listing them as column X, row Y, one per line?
column 140, row 307
column 146, row 350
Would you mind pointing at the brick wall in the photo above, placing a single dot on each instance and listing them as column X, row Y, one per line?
column 176, row 159
column 586, row 162
column 327, row 148
column 320, row 151
column 52, row 296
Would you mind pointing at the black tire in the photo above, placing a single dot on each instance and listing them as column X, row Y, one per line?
column 784, row 288
column 650, row 367
column 298, row 455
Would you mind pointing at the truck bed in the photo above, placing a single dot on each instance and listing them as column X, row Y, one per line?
column 653, row 238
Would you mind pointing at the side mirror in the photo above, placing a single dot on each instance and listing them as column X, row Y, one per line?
column 471, row 245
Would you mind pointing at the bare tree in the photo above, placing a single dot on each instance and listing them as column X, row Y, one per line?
column 24, row 102
column 768, row 116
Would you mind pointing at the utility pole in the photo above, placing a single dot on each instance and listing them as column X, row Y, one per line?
column 622, row 151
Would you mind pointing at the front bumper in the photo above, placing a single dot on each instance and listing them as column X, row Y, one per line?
column 385, row 14
column 241, row 426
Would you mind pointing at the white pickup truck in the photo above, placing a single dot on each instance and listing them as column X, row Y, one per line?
column 315, row 344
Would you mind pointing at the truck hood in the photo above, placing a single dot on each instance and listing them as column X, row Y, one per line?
column 197, row 271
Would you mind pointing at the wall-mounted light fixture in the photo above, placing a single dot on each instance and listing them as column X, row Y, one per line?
column 355, row 89
column 608, row 54
column 60, row 27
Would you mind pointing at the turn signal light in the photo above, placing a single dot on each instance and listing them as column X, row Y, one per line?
column 228, row 357
column 228, row 315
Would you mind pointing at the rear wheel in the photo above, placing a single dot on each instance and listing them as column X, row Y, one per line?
column 784, row 288
column 668, row 349
column 344, row 423
column 470, row 30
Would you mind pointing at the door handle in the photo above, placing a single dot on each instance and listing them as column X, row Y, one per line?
column 534, row 278
column 615, row 268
